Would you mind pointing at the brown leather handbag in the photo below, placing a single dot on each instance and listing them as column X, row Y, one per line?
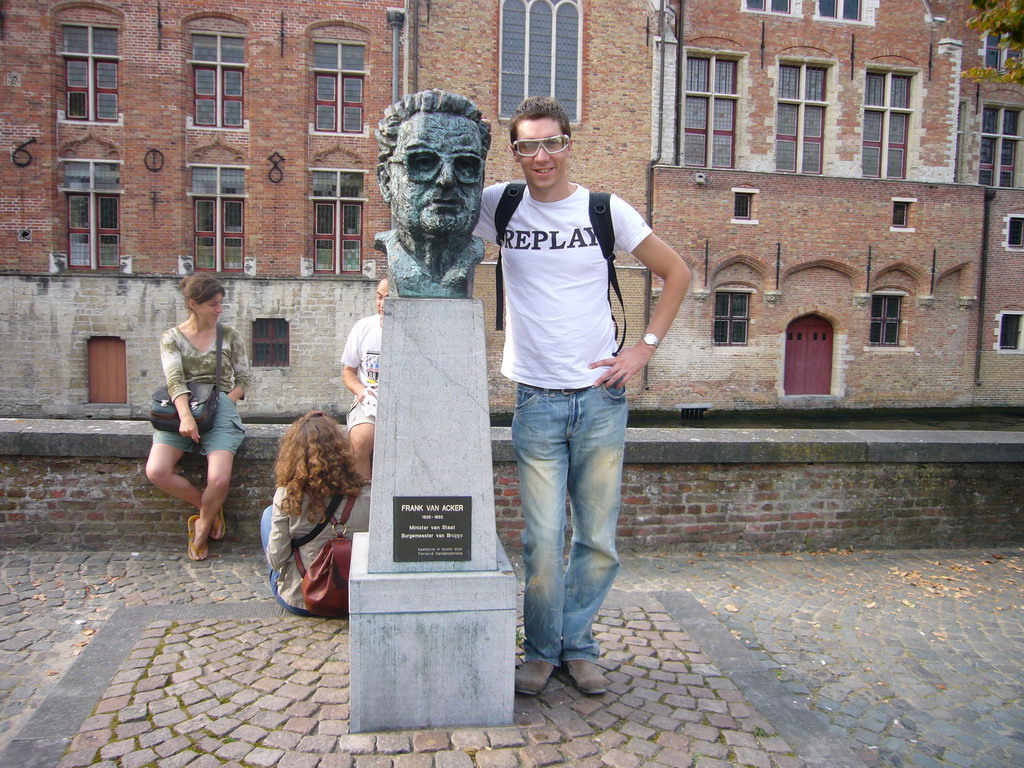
column 325, row 582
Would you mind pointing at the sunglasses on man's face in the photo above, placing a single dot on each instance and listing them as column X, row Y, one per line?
column 530, row 147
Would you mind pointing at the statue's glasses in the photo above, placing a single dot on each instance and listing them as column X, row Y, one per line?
column 530, row 147
column 424, row 166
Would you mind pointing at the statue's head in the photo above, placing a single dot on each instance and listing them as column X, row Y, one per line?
column 430, row 169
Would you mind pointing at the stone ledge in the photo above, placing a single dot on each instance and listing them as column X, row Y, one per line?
column 132, row 439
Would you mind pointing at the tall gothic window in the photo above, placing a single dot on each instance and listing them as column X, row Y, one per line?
column 540, row 52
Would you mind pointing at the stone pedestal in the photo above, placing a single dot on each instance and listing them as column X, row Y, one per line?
column 432, row 593
column 430, row 650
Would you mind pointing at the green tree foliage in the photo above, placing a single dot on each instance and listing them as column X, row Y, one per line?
column 1004, row 18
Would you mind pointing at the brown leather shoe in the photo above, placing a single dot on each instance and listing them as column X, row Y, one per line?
column 587, row 676
column 532, row 675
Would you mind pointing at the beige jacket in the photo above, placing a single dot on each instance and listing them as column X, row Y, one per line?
column 284, row 528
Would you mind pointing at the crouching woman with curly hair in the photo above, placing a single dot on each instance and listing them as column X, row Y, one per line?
column 314, row 462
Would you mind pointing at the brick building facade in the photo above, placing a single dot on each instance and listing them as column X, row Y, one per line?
column 823, row 167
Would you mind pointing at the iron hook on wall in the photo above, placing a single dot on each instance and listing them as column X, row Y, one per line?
column 275, row 174
column 21, row 156
column 154, row 160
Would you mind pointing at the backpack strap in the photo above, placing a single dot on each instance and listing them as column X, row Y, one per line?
column 332, row 507
column 511, row 197
column 601, row 220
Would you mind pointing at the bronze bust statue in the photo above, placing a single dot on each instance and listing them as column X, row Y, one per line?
column 430, row 169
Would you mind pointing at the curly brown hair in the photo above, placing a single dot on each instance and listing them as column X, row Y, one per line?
column 314, row 460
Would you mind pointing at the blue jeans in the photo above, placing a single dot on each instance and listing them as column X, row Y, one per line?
column 274, row 575
column 568, row 443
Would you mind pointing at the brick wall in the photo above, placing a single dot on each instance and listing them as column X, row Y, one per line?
column 83, row 484
column 97, row 503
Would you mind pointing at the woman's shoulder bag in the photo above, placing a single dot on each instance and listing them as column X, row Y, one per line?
column 202, row 401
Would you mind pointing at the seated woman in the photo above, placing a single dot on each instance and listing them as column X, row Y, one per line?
column 314, row 463
column 188, row 353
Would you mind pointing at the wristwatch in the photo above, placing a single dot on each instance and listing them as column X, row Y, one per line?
column 651, row 339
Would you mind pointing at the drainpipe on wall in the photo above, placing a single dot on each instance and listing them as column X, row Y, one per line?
column 990, row 195
column 396, row 20
column 416, row 46
column 677, row 154
column 650, row 171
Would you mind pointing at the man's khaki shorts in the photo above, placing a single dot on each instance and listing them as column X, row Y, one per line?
column 360, row 414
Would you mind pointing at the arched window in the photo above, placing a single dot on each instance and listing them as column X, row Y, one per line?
column 540, row 53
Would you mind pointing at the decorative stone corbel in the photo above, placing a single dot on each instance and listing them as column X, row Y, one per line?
column 700, row 294
column 966, row 302
column 926, row 302
column 861, row 299
column 772, row 297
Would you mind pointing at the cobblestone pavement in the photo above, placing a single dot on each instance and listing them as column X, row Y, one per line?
column 914, row 658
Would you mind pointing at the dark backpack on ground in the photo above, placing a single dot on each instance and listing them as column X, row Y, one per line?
column 600, row 220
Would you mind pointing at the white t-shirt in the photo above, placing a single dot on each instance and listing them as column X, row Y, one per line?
column 556, row 286
column 362, row 350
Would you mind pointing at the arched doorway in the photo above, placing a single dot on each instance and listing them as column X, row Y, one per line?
column 808, row 368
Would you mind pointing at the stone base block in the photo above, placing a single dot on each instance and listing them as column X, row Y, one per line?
column 430, row 650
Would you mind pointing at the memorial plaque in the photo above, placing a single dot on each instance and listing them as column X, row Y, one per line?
column 432, row 528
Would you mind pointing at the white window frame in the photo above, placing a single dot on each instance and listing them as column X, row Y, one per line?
column 1007, row 241
column 711, row 96
column 753, row 192
column 92, row 89
column 887, row 111
column 795, row 7
column 1002, row 46
column 340, row 73
column 910, row 203
column 999, row 138
column 340, row 201
column 525, row 87
column 802, row 102
column 94, row 193
column 220, row 67
column 1019, row 349
column 219, row 233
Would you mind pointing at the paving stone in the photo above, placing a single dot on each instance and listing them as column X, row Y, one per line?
column 452, row 759
column 298, row 760
column 392, row 743
column 540, row 755
column 430, row 741
column 264, row 758
column 357, row 744
column 469, row 739
column 497, row 758
column 138, row 759
column 413, row 760
column 617, row 758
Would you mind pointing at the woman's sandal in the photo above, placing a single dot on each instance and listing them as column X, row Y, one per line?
column 193, row 552
column 220, row 528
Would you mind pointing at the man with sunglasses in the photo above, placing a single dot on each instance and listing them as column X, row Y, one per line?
column 430, row 170
column 569, row 427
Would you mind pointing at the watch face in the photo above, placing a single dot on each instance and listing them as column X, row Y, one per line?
column 650, row 338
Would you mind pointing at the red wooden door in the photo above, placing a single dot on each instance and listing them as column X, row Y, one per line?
column 108, row 380
column 808, row 356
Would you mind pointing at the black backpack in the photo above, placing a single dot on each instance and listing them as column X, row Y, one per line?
column 600, row 220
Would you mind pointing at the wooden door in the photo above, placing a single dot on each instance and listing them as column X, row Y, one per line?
column 108, row 379
column 808, row 356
